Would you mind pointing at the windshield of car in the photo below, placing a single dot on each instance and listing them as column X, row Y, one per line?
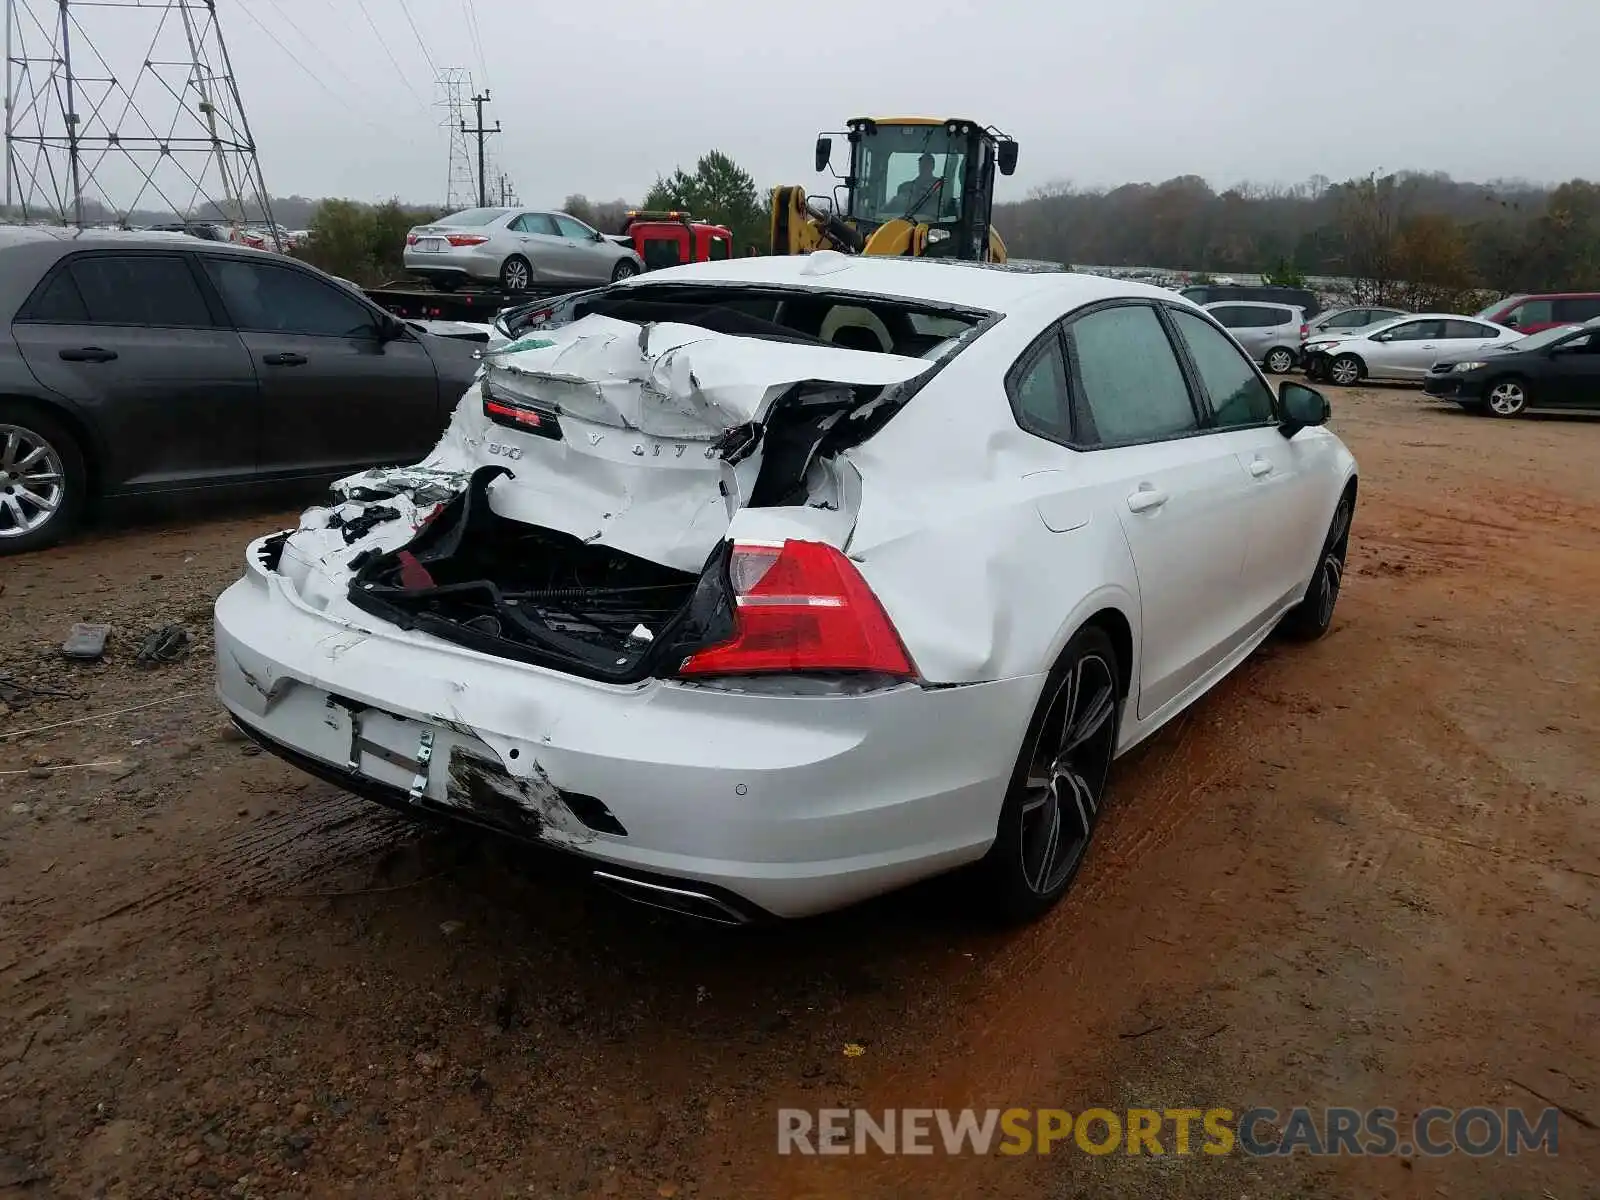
column 1498, row 305
column 846, row 320
column 1544, row 337
column 470, row 217
column 913, row 171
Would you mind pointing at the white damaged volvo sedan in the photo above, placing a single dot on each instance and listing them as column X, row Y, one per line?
column 764, row 586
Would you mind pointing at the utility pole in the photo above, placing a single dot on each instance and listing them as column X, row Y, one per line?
column 481, row 132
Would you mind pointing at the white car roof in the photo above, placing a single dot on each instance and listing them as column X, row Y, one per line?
column 987, row 286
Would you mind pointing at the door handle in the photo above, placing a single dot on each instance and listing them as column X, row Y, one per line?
column 286, row 359
column 1260, row 467
column 88, row 354
column 1146, row 498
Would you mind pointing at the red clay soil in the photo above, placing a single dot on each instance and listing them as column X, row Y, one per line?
column 1364, row 872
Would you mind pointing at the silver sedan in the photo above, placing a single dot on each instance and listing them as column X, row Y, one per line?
column 1401, row 349
column 516, row 248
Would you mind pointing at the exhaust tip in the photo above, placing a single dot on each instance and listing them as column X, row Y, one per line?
column 684, row 901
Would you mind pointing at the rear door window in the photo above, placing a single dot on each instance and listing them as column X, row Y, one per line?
column 1231, row 316
column 140, row 289
column 1468, row 329
column 1577, row 310
column 1132, row 385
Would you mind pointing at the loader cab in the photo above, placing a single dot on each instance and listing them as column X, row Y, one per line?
column 938, row 173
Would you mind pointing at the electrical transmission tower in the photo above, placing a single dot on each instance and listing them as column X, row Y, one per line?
column 114, row 106
column 455, row 88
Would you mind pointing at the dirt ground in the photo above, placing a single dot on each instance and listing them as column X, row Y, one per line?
column 1366, row 872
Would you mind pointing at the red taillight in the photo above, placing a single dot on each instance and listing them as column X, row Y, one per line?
column 411, row 239
column 801, row 606
column 1305, row 332
column 519, row 416
column 466, row 239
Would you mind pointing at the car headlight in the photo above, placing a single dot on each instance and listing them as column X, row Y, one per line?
column 1468, row 366
column 1319, row 347
column 938, row 235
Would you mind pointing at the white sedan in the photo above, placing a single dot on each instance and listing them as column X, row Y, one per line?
column 1405, row 348
column 760, row 622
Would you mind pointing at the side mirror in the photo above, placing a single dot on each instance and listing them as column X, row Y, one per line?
column 1008, row 157
column 390, row 329
column 598, row 236
column 824, row 153
column 1381, row 337
column 1302, row 407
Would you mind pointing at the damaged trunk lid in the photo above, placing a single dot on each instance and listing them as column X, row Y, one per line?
column 594, row 471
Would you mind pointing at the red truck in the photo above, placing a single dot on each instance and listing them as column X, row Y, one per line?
column 666, row 239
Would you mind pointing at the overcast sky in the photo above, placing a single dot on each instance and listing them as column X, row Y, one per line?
column 599, row 98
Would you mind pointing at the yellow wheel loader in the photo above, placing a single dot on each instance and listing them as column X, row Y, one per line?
column 915, row 186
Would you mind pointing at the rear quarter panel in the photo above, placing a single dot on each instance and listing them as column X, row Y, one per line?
column 952, row 539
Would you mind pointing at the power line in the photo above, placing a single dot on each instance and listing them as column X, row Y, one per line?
column 404, row 78
column 477, row 39
column 337, row 69
column 315, row 78
column 416, row 33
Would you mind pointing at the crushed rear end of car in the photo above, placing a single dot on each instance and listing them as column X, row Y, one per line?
column 613, row 614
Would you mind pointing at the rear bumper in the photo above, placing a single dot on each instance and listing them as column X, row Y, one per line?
column 471, row 263
column 791, row 804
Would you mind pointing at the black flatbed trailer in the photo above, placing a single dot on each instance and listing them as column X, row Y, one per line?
column 409, row 298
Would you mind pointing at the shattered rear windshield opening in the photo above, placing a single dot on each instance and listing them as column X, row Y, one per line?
column 849, row 320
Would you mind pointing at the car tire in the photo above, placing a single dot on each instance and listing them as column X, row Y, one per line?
column 1506, row 397
column 1347, row 370
column 24, row 433
column 1058, row 783
column 624, row 270
column 1311, row 618
column 516, row 274
column 1279, row 361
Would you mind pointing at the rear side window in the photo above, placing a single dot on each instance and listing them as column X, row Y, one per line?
column 1038, row 388
column 125, row 289
column 1238, row 395
column 1277, row 316
column 1131, row 382
column 1578, row 310
column 58, row 302
column 1467, row 329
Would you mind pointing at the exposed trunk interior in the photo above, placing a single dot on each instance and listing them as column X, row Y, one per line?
column 519, row 591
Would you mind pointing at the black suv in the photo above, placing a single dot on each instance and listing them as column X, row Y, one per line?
column 141, row 363
column 1209, row 293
